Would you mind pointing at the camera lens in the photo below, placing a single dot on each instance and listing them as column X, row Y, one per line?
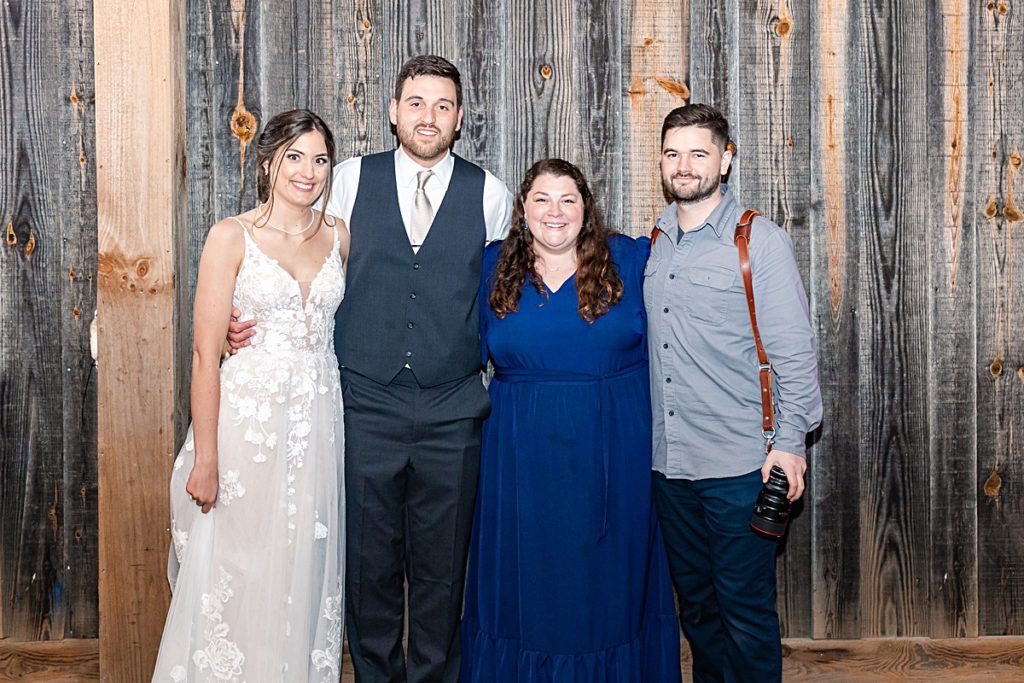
column 771, row 511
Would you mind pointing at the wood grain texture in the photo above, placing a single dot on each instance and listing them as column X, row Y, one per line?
column 904, row 659
column 834, row 474
column 770, row 126
column 541, row 97
column 952, row 350
column 483, row 55
column 140, row 119
column 886, row 141
column 48, row 513
column 655, row 69
column 999, row 140
column 597, row 82
column 714, row 63
column 359, row 125
column 63, row 661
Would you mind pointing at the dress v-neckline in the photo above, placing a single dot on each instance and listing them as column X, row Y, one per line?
column 287, row 274
column 567, row 280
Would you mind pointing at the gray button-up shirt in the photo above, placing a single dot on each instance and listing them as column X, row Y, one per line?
column 704, row 373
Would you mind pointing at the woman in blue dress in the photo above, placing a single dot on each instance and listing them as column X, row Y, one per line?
column 567, row 581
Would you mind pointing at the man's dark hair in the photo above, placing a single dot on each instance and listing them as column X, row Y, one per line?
column 702, row 116
column 429, row 65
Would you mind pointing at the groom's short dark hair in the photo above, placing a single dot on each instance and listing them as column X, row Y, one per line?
column 429, row 65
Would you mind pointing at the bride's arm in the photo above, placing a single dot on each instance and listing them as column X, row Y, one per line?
column 218, row 268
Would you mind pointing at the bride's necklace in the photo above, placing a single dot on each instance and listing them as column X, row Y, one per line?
column 312, row 216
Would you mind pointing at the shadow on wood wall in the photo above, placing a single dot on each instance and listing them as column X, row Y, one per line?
column 885, row 137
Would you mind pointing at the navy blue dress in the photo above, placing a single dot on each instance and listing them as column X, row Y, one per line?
column 568, row 581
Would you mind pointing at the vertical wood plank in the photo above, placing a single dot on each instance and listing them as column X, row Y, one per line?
column 484, row 51
column 359, row 122
column 999, row 141
column 596, row 86
column 655, row 68
column 887, row 128
column 770, row 123
column 953, row 582
column 77, row 211
column 140, row 195
column 538, row 84
column 47, row 208
column 713, row 66
column 834, row 471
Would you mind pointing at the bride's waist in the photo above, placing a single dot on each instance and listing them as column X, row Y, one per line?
column 284, row 353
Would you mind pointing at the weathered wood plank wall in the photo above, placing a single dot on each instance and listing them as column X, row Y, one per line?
column 884, row 136
column 48, row 506
column 865, row 129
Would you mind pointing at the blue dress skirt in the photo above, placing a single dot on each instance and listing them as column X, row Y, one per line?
column 568, row 581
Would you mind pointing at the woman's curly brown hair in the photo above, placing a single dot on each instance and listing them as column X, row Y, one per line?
column 598, row 286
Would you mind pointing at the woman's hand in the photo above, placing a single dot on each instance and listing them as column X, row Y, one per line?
column 202, row 486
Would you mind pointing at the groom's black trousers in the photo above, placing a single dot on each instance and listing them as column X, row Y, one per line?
column 412, row 458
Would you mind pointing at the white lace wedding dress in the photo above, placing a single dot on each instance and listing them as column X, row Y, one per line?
column 257, row 582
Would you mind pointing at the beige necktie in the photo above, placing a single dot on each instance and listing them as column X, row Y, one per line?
column 422, row 212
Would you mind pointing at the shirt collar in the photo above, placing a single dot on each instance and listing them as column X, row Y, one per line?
column 406, row 169
column 668, row 221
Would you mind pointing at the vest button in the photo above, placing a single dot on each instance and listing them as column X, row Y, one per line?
column 415, row 266
column 412, row 295
column 411, row 325
column 408, row 354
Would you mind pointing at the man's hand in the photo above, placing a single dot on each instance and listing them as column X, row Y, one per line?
column 793, row 465
column 239, row 332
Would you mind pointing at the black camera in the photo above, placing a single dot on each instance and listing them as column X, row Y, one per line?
column 771, row 511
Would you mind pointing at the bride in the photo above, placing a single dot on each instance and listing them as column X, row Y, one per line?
column 257, row 489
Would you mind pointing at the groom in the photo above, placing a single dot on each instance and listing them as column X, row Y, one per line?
column 407, row 339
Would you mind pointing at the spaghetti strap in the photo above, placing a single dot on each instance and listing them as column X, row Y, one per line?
column 245, row 230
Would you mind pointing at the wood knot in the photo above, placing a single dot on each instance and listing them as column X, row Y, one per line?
column 674, row 88
column 142, row 268
column 1015, row 160
column 104, row 266
column 990, row 6
column 366, row 24
column 71, row 274
column 243, row 124
column 1020, row 373
column 993, row 484
column 647, row 42
column 995, row 368
column 1003, row 9
column 1011, row 213
column 12, row 237
column 789, row 142
column 77, row 312
column 351, row 99
column 74, row 97
column 78, row 534
column 783, row 27
column 545, row 71
column 990, row 209
column 30, row 245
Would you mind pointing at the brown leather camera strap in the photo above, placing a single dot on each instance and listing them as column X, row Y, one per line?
column 742, row 240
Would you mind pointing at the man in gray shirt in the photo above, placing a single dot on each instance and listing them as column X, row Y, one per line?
column 710, row 457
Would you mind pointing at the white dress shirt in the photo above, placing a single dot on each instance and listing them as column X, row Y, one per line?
column 497, row 199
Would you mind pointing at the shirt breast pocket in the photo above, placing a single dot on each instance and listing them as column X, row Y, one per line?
column 711, row 290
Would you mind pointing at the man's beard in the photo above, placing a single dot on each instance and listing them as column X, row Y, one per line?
column 704, row 189
column 423, row 149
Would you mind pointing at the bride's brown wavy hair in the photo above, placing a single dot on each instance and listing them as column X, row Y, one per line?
column 598, row 286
